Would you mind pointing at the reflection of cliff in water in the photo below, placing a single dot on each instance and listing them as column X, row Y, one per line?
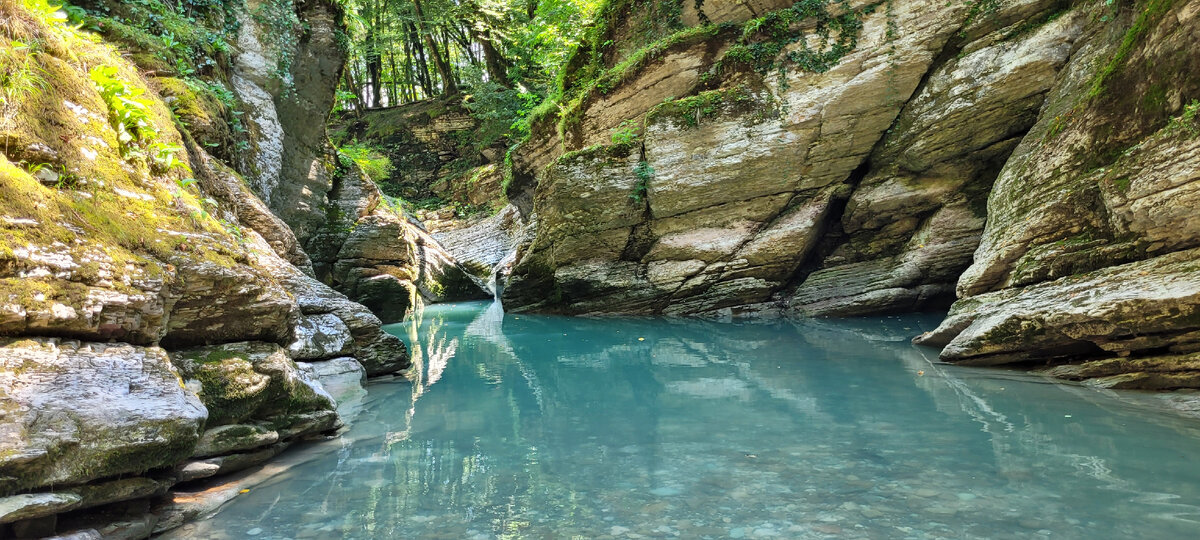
column 550, row 426
column 1048, row 426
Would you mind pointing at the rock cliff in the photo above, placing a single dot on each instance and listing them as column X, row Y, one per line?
column 159, row 323
column 1032, row 159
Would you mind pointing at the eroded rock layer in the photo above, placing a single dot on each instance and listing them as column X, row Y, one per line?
column 1035, row 161
column 152, row 306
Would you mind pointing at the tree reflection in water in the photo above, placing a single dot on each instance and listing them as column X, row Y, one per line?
column 537, row 426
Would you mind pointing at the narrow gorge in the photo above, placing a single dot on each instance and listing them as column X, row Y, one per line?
column 225, row 224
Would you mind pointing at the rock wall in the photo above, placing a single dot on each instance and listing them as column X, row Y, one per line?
column 432, row 150
column 153, row 310
column 756, row 191
column 883, row 157
column 1089, row 249
column 287, row 73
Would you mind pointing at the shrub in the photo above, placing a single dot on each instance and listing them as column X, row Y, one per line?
column 128, row 111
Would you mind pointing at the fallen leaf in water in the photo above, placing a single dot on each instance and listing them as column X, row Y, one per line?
column 921, row 373
column 244, row 491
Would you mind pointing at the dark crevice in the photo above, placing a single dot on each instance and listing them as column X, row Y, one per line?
column 831, row 233
column 641, row 238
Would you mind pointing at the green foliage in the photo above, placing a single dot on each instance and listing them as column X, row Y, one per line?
column 1188, row 121
column 764, row 39
column 500, row 111
column 1151, row 12
column 626, row 133
column 128, row 109
column 20, row 75
column 48, row 13
column 187, row 37
column 549, row 39
column 691, row 110
column 282, row 29
column 165, row 157
column 644, row 173
column 373, row 162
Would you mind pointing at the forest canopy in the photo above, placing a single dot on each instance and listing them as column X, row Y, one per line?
column 504, row 54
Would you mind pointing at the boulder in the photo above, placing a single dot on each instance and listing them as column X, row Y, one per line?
column 319, row 337
column 75, row 412
column 233, row 438
column 251, row 380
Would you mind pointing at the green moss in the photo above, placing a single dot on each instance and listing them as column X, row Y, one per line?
column 618, row 23
column 1151, row 12
column 764, row 39
column 230, row 388
column 1187, row 121
column 608, row 153
column 691, row 110
column 124, row 208
column 612, row 78
column 761, row 42
column 189, row 38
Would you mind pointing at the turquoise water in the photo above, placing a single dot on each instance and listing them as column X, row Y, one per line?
column 543, row 427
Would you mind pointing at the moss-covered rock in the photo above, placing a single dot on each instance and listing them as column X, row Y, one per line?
column 75, row 412
column 233, row 438
column 250, row 380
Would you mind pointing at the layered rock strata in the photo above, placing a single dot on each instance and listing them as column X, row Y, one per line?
column 152, row 307
column 1034, row 161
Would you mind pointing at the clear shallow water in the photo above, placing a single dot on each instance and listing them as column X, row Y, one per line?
column 545, row 427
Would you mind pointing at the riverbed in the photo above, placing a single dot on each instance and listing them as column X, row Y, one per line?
column 523, row 426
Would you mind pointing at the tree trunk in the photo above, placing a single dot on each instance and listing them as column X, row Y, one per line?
column 423, row 75
column 497, row 66
column 439, row 61
column 354, row 89
column 393, row 96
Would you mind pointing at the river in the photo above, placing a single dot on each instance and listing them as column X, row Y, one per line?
column 523, row 426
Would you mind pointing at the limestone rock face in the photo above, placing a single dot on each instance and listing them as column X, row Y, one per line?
column 251, row 380
column 483, row 243
column 82, row 293
column 1089, row 248
column 1087, row 313
column 379, row 352
column 292, row 160
column 389, row 265
column 913, row 223
column 76, row 411
column 319, row 337
column 216, row 304
column 739, row 193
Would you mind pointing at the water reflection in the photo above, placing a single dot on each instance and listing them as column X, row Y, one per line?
column 525, row 426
